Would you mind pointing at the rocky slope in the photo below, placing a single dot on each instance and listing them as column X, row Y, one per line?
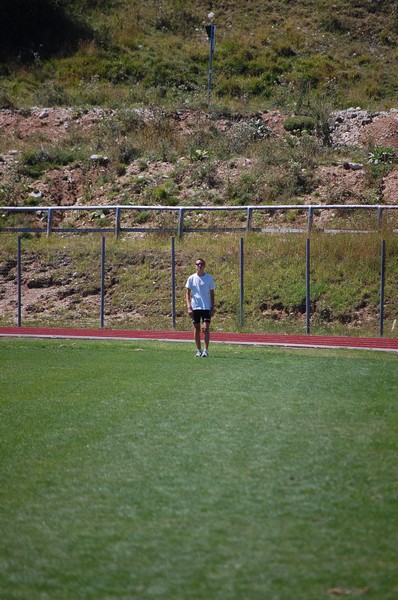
column 67, row 185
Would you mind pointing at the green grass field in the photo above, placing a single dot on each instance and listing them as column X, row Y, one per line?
column 132, row 470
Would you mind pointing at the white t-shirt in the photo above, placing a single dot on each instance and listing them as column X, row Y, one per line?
column 200, row 291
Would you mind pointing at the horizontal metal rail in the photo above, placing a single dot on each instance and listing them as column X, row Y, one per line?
column 47, row 213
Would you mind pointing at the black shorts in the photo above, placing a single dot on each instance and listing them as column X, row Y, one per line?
column 201, row 315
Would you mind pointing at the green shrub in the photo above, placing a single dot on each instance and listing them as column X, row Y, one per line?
column 205, row 173
column 245, row 191
column 381, row 155
column 165, row 194
column 143, row 216
column 34, row 163
column 6, row 100
column 52, row 93
column 199, row 154
column 299, row 123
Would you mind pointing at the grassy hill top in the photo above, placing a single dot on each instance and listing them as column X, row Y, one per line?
column 269, row 54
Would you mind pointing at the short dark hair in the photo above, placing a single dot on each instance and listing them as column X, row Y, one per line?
column 201, row 260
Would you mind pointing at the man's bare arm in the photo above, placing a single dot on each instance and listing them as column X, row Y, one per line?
column 188, row 299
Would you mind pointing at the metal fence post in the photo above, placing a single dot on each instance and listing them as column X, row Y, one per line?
column 308, row 284
column 102, row 309
column 49, row 221
column 249, row 219
column 117, row 221
column 379, row 216
column 19, row 281
column 382, row 282
column 173, row 287
column 310, row 218
column 181, row 222
column 242, row 282
column 211, row 32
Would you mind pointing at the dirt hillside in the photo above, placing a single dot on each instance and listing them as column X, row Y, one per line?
column 67, row 185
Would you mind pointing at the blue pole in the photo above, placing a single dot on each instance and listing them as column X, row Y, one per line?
column 382, row 282
column 102, row 310
column 173, row 284
column 308, row 285
column 211, row 32
column 242, row 281
column 19, row 281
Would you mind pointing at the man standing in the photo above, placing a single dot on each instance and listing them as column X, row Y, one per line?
column 200, row 304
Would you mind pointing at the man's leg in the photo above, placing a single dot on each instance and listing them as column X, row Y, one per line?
column 206, row 333
column 197, row 335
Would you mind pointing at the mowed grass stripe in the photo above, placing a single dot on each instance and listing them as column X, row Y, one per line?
column 134, row 470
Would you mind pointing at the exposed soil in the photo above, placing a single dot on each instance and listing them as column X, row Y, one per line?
column 66, row 186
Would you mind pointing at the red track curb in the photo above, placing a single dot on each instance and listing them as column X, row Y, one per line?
column 302, row 341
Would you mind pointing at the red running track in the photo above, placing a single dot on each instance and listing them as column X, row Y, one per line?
column 297, row 341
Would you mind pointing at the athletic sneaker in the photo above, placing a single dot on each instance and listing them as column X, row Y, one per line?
column 198, row 353
column 205, row 353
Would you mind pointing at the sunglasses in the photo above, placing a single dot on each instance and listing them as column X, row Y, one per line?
column 199, row 264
